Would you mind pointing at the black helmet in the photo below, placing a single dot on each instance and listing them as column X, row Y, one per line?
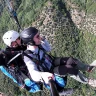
column 28, row 34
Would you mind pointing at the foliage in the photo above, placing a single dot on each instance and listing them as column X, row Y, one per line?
column 88, row 5
column 7, row 86
column 91, row 7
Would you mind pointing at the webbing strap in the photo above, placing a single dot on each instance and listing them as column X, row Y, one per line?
column 14, row 58
column 36, row 61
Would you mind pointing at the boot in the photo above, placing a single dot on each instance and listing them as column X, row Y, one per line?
column 92, row 66
column 92, row 82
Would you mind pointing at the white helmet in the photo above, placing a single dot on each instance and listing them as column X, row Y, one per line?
column 10, row 36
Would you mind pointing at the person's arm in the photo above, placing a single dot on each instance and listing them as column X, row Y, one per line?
column 36, row 75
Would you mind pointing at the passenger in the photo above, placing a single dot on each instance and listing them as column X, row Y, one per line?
column 42, row 66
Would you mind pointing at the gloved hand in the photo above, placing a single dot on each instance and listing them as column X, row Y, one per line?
column 46, row 76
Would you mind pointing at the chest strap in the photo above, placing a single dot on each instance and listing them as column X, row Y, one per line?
column 38, row 62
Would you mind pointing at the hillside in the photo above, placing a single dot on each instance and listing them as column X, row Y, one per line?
column 69, row 25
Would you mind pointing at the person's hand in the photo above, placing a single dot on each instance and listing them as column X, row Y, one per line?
column 46, row 76
column 43, row 38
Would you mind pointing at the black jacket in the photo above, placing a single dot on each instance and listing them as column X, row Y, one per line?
column 17, row 67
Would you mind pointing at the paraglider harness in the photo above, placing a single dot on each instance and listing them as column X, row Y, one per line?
column 14, row 72
column 14, row 69
column 40, row 62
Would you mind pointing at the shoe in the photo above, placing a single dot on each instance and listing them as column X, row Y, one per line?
column 92, row 66
column 92, row 82
column 93, row 63
column 66, row 92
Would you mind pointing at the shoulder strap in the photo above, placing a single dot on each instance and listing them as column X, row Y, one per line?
column 33, row 59
column 51, row 56
column 14, row 58
column 26, row 54
column 30, row 52
column 38, row 62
